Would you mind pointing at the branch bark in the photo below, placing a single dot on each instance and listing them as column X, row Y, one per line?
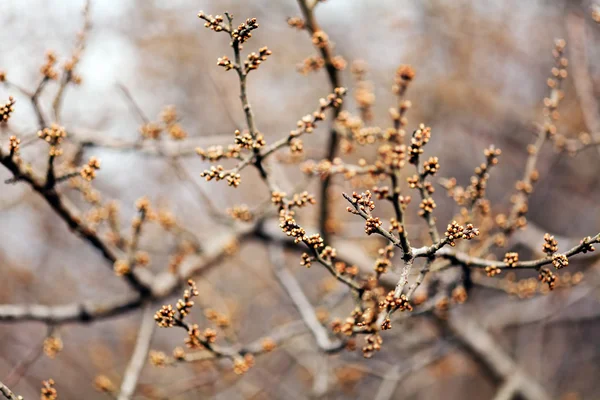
column 8, row 393
column 301, row 302
column 140, row 354
column 486, row 349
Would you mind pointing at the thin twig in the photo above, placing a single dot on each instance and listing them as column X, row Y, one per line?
column 58, row 204
column 334, row 137
column 301, row 302
column 140, row 354
column 8, row 393
column 580, row 73
column 488, row 351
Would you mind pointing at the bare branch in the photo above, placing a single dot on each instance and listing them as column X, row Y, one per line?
column 582, row 80
column 306, row 310
column 140, row 354
column 487, row 350
column 8, row 393
column 335, row 80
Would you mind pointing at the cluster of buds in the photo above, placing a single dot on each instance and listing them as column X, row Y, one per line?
column 456, row 231
column 151, row 130
column 459, row 295
column 545, row 282
column 398, row 116
column 175, row 261
column 476, row 189
column 414, row 182
column 560, row 261
column 315, row 241
column 454, row 190
column 52, row 346
column 524, row 187
column 426, row 207
column 240, row 213
column 69, row 67
column 361, row 202
column 213, row 23
column 511, row 259
column 296, row 22
column 219, row 319
column 141, row 258
column 306, row 260
column 226, row 63
column 308, row 122
column 54, row 136
column 267, row 344
column 328, row 253
column 320, row 39
column 431, row 166
column 254, row 60
column 345, row 328
column 166, row 219
column 546, row 276
column 165, row 317
column 47, row 69
column 363, row 93
column 7, row 109
column 587, row 245
column 215, row 153
column 169, row 115
column 392, row 302
column 519, row 222
column 372, row 225
column 365, row 134
column 241, row 365
column 48, row 391
column 395, row 225
column 383, row 262
column 157, row 358
column 103, row 384
column 278, row 198
column 404, row 75
column 121, row 267
column 245, row 140
column 14, row 145
column 382, row 192
column 296, row 146
column 179, row 353
column 393, row 156
column 200, row 340
column 185, row 304
column 492, row 271
column 344, row 269
column 558, row 74
column 361, row 175
column 373, row 343
column 243, row 32
column 339, row 63
column 88, row 171
column 419, row 139
column 596, row 13
column 142, row 205
column 550, row 244
column 217, row 173
column 288, row 224
column 310, row 64
column 352, row 124
column 176, row 132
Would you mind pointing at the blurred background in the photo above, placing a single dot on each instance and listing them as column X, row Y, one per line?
column 481, row 76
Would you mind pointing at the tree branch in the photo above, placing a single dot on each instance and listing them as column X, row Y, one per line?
column 140, row 354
